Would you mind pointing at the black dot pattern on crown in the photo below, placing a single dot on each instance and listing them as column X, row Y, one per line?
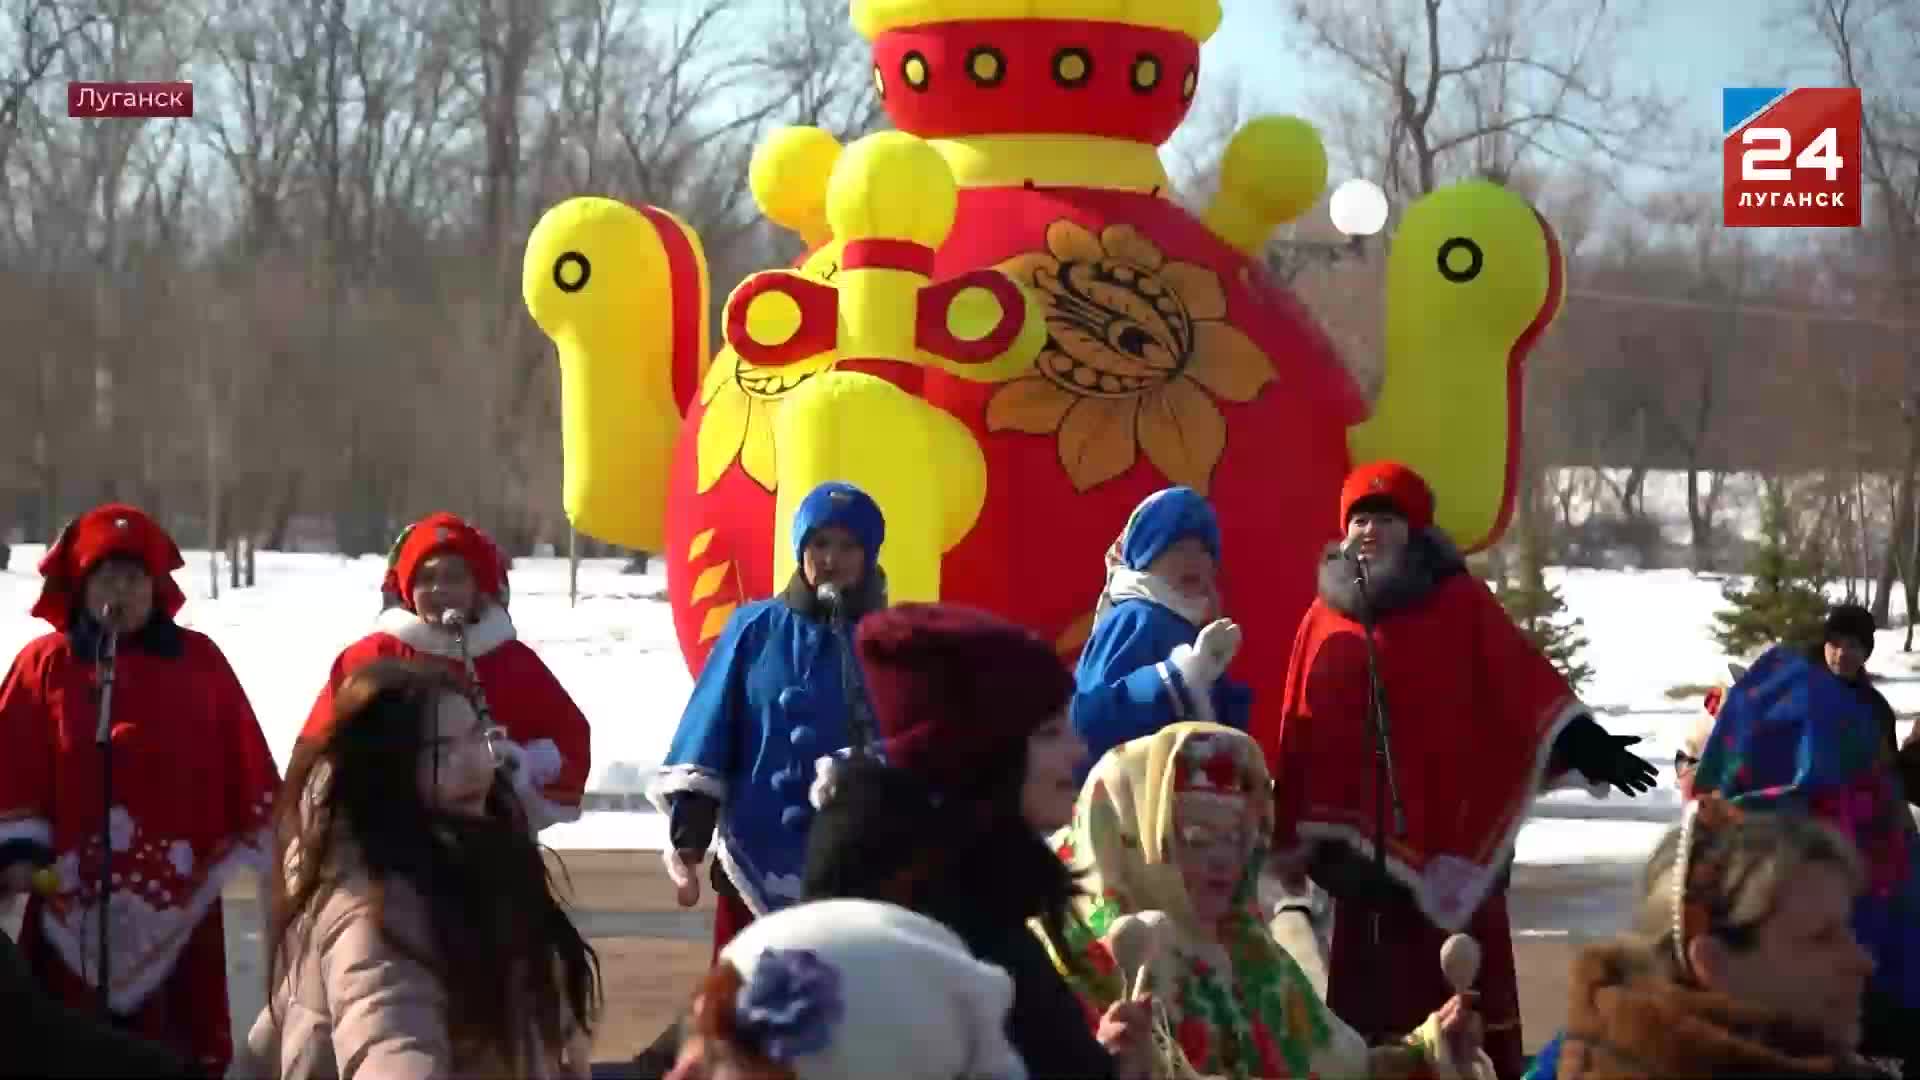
column 986, row 66
column 1073, row 67
column 1145, row 76
column 917, row 73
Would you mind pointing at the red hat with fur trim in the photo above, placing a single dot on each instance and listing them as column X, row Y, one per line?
column 443, row 532
column 97, row 535
column 1389, row 485
column 955, row 690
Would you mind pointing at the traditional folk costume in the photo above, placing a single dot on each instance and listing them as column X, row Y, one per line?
column 1139, row 670
column 1230, row 1001
column 1481, row 722
column 193, row 785
column 780, row 690
column 1793, row 737
column 548, row 746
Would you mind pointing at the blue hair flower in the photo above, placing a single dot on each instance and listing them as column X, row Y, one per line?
column 791, row 1005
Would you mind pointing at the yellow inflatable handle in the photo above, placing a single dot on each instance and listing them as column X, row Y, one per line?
column 46, row 881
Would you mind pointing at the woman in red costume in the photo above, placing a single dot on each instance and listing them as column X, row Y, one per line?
column 1479, row 722
column 192, row 786
column 445, row 575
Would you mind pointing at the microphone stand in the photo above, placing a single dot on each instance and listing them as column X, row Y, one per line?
column 456, row 623
column 1386, row 789
column 859, row 730
column 103, row 738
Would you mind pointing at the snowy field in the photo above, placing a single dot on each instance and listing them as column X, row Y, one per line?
column 616, row 654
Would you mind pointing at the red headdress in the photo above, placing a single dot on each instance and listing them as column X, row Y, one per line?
column 104, row 531
column 1393, row 483
column 443, row 532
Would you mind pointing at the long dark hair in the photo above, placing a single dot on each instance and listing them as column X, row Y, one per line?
column 509, row 959
column 961, row 857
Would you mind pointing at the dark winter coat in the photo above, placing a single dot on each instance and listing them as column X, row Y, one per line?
column 40, row 1037
column 881, row 840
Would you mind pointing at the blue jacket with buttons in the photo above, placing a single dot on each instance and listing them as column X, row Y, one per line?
column 771, row 700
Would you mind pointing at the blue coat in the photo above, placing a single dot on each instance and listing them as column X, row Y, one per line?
column 767, row 705
column 1125, row 689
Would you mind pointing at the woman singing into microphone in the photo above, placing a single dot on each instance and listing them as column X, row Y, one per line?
column 191, row 784
column 777, row 693
column 446, row 589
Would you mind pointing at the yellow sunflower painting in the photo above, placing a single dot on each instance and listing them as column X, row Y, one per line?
column 1139, row 352
column 741, row 401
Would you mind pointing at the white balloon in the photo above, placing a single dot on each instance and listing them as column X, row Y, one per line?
column 1358, row 208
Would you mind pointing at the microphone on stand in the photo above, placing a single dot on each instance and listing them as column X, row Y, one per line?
column 829, row 596
column 1353, row 549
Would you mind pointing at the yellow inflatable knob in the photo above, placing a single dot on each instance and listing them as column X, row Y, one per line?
column 1274, row 169
column 46, row 881
column 773, row 318
column 788, row 177
column 893, row 186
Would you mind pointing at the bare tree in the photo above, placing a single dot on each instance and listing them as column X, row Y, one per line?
column 1490, row 88
column 1875, row 45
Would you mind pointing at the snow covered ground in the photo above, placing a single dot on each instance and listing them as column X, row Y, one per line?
column 615, row 651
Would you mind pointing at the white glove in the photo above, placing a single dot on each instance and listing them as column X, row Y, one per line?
column 826, row 779
column 1202, row 663
column 1220, row 641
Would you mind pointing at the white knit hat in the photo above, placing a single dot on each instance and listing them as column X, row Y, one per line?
column 858, row 990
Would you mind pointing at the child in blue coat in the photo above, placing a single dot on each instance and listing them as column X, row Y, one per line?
column 780, row 690
column 1160, row 647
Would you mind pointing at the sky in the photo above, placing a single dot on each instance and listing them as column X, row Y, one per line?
column 1686, row 49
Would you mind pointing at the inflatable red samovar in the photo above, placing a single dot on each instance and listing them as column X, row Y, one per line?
column 1170, row 357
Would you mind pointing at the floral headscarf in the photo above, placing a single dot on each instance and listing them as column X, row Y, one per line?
column 1235, row 1003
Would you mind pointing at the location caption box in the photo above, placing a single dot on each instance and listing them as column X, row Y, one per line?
column 129, row 100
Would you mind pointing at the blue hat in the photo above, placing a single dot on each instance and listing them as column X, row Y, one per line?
column 838, row 503
column 1165, row 518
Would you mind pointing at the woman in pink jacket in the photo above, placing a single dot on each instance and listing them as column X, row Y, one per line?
column 416, row 929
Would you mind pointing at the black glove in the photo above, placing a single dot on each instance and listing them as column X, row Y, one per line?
column 1587, row 747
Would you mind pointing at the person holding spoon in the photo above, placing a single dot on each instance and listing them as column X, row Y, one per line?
column 1179, row 822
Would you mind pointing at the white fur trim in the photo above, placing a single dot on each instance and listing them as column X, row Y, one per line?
column 494, row 629
column 153, row 936
column 1453, row 888
column 670, row 780
column 32, row 829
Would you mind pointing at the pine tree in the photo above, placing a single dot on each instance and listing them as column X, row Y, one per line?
column 1785, row 601
column 1539, row 610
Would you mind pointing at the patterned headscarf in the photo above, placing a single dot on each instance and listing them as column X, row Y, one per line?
column 1234, row 1003
column 1161, row 520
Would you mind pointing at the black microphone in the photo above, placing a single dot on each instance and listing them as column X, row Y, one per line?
column 452, row 618
column 1353, row 549
column 829, row 596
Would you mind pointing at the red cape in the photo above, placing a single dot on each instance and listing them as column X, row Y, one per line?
column 193, row 791
column 521, row 691
column 1474, row 709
